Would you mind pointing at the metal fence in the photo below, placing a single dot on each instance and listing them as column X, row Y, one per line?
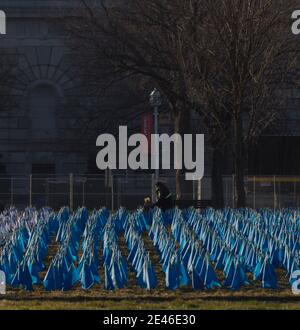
column 130, row 191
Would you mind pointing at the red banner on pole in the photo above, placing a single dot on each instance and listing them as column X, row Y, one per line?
column 148, row 128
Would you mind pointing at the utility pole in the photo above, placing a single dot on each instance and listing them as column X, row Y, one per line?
column 155, row 102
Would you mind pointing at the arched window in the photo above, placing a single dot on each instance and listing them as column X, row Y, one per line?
column 43, row 102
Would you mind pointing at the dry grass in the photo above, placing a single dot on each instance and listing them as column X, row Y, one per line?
column 136, row 298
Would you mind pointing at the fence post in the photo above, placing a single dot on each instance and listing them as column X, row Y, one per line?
column 83, row 193
column 71, row 192
column 295, row 193
column 233, row 191
column 275, row 195
column 153, row 187
column 199, row 197
column 279, row 195
column 254, row 192
column 30, row 190
column 112, row 194
column 194, row 190
column 48, row 191
column 11, row 191
column 119, row 192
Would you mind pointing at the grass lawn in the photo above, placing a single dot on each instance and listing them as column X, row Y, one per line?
column 132, row 299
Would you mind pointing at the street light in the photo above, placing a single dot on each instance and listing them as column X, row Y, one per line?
column 155, row 98
column 155, row 102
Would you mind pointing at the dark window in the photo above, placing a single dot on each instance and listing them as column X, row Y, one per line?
column 2, row 169
column 275, row 155
column 43, row 168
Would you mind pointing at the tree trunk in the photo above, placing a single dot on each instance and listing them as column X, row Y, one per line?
column 217, row 179
column 239, row 164
column 182, row 126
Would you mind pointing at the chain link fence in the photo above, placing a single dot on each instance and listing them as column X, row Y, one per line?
column 129, row 191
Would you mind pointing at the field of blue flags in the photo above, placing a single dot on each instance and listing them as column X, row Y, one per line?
column 199, row 250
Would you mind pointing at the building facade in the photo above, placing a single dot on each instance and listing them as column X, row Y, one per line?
column 42, row 132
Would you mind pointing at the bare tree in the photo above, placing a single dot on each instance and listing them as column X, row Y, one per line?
column 227, row 59
column 137, row 40
column 240, row 62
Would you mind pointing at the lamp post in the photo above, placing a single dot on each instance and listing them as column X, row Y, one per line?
column 155, row 102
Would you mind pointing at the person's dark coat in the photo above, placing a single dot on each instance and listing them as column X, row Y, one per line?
column 164, row 197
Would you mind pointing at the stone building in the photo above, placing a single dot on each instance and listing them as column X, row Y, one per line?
column 42, row 133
